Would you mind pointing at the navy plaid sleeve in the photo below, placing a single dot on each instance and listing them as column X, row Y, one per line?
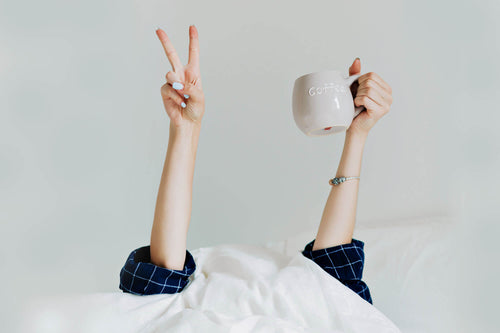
column 344, row 262
column 141, row 277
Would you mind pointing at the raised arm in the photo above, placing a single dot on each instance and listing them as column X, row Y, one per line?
column 184, row 103
column 339, row 216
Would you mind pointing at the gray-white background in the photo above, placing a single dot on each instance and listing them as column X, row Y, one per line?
column 84, row 134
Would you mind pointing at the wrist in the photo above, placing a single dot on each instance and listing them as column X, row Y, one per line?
column 186, row 129
column 352, row 155
column 187, row 134
column 357, row 136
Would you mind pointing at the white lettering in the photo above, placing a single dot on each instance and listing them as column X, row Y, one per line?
column 328, row 88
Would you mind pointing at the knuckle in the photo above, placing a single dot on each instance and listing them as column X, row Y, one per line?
column 361, row 99
column 190, row 73
column 191, row 85
column 187, row 88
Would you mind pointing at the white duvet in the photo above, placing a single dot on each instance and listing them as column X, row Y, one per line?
column 235, row 288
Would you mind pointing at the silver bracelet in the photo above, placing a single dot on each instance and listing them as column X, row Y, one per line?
column 339, row 180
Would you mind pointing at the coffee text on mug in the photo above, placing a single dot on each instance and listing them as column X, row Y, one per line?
column 327, row 88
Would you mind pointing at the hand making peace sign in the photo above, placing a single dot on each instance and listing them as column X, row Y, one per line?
column 182, row 95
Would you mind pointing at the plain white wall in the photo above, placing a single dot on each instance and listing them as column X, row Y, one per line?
column 84, row 133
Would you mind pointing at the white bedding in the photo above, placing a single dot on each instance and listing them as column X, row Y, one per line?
column 411, row 268
column 235, row 288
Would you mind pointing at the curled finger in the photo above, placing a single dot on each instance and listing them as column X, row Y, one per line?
column 370, row 105
column 174, row 80
column 168, row 92
column 375, row 92
column 193, row 90
column 372, row 76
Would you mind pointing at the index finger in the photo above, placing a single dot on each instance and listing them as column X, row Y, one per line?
column 172, row 56
column 194, row 47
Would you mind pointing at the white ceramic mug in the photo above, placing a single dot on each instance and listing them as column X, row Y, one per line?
column 323, row 104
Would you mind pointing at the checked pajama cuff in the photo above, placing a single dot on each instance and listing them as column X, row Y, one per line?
column 140, row 277
column 344, row 262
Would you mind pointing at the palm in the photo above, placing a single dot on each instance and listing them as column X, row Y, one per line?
column 363, row 120
column 174, row 111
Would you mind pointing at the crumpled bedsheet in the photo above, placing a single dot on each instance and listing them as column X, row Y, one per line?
column 235, row 288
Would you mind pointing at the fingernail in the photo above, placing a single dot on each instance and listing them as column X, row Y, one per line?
column 183, row 104
column 186, row 96
column 157, row 28
column 358, row 59
column 177, row 85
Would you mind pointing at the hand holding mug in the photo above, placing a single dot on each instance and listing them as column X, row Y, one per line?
column 182, row 95
column 327, row 102
column 374, row 94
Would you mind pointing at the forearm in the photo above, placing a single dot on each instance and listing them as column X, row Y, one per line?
column 339, row 216
column 174, row 200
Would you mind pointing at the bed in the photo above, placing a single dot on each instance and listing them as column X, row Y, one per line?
column 274, row 288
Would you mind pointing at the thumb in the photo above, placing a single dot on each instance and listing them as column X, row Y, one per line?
column 355, row 67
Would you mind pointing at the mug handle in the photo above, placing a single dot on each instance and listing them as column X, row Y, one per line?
column 350, row 80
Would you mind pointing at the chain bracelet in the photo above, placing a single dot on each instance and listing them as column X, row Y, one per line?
column 340, row 180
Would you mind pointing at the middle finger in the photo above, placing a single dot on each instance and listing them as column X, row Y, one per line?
column 374, row 91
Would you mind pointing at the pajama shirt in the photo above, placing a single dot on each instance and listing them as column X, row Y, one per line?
column 139, row 276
